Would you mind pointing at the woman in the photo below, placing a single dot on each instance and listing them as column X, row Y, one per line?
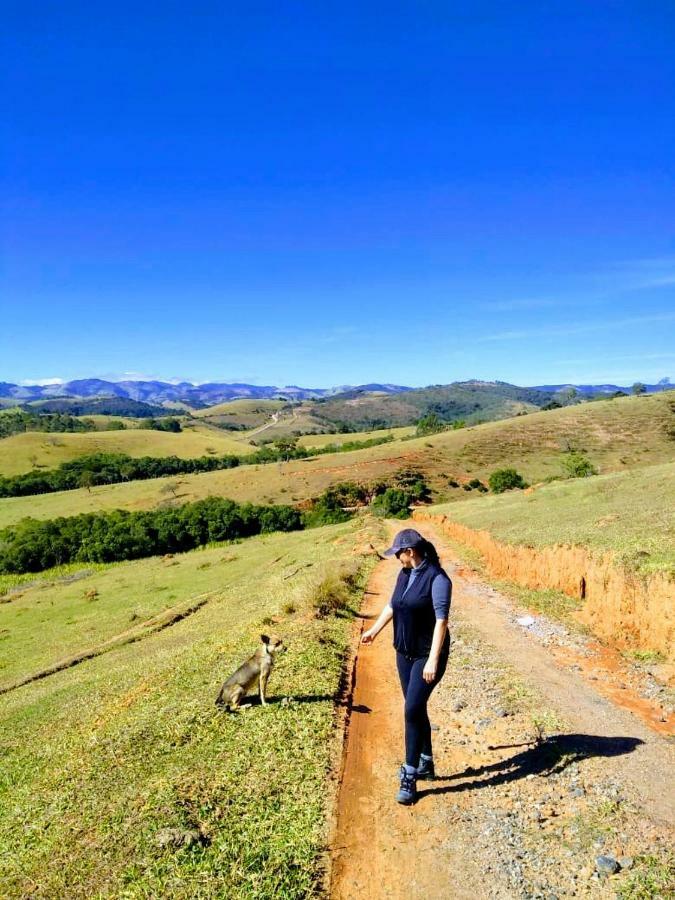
column 419, row 607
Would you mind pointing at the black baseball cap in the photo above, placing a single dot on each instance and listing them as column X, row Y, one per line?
column 405, row 540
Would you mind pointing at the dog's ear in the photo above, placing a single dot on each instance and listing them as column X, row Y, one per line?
column 264, row 638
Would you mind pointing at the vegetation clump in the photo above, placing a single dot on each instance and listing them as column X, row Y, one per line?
column 393, row 503
column 577, row 465
column 505, row 480
column 429, row 424
column 18, row 421
column 33, row 545
column 334, row 592
column 166, row 423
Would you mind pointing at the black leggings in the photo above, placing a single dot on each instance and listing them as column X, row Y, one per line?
column 416, row 692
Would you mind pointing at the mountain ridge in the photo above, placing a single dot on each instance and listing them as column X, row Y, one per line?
column 211, row 392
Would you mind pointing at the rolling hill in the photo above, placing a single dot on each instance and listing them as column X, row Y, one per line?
column 616, row 434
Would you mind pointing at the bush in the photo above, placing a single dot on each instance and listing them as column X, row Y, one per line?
column 476, row 485
column 576, row 465
column 412, row 482
column 393, row 503
column 333, row 593
column 327, row 509
column 505, row 480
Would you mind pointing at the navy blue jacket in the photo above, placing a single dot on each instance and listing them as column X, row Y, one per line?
column 414, row 614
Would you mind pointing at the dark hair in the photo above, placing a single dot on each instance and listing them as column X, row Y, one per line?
column 429, row 552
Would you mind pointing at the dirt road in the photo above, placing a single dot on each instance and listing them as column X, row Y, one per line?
column 509, row 815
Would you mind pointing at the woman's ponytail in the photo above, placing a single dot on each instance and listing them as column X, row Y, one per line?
column 429, row 552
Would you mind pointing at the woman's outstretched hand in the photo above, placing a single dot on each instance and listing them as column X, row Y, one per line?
column 367, row 637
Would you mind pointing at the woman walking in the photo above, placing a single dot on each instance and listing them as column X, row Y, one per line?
column 419, row 607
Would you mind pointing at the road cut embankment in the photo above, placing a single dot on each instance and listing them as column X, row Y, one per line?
column 621, row 607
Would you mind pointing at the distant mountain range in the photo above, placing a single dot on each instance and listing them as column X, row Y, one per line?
column 161, row 392
column 203, row 395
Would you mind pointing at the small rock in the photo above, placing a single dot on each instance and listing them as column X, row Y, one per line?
column 626, row 862
column 526, row 621
column 500, row 712
column 576, row 792
column 459, row 705
column 606, row 865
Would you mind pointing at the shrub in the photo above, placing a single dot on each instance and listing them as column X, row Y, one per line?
column 393, row 503
column 505, row 480
column 412, row 481
column 327, row 509
column 452, row 483
column 576, row 465
column 477, row 485
column 330, row 595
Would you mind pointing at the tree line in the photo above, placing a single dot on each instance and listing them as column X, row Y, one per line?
column 111, row 468
column 16, row 422
column 32, row 545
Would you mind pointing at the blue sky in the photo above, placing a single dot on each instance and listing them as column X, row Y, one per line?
column 335, row 193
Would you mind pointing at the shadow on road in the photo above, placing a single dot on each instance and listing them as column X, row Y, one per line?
column 548, row 757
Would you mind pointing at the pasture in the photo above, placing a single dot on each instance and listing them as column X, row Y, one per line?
column 35, row 449
column 98, row 759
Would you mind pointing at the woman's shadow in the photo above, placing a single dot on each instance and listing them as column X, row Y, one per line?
column 547, row 757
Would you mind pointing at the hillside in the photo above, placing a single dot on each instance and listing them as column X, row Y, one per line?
column 129, row 744
column 470, row 401
column 32, row 449
column 624, row 433
column 629, row 513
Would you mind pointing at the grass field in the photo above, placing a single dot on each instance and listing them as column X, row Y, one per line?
column 99, row 758
column 23, row 452
column 322, row 440
column 620, row 434
column 630, row 513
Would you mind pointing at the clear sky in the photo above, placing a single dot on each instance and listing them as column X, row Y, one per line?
column 330, row 193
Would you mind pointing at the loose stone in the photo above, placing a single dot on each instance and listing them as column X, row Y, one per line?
column 606, row 865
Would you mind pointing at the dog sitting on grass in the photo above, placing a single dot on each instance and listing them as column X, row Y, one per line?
column 255, row 671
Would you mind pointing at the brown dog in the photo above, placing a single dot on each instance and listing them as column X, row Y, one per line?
column 256, row 670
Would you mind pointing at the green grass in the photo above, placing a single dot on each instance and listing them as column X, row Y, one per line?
column 653, row 877
column 98, row 758
column 629, row 513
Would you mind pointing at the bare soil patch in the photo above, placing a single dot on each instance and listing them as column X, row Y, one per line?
column 539, row 774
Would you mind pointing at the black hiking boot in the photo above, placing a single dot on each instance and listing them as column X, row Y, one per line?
column 426, row 767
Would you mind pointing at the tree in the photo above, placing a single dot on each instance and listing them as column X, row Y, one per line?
column 569, row 394
column 171, row 487
column 286, row 448
column 638, row 388
column 429, row 424
column 505, row 480
column 87, row 480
